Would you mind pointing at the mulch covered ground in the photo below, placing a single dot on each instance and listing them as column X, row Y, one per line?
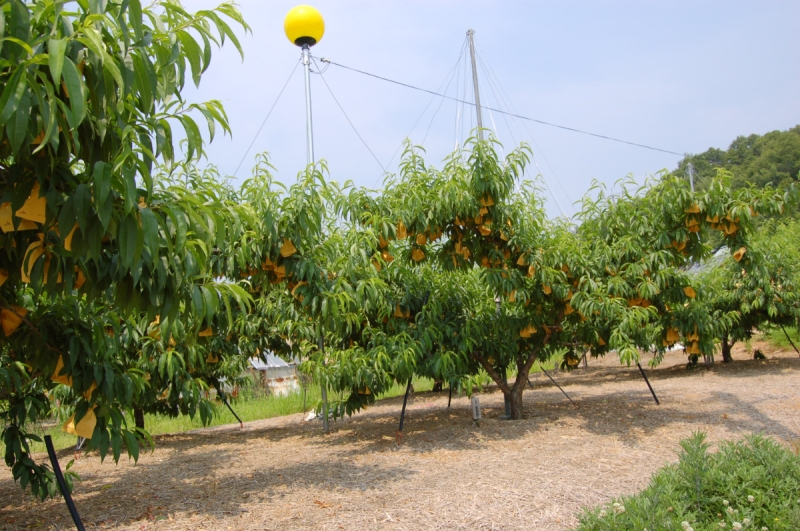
column 448, row 473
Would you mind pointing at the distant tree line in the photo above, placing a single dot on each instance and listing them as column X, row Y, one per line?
column 773, row 158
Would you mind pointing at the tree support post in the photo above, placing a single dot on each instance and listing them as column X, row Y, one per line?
column 450, row 396
column 648, row 383
column 790, row 339
column 62, row 485
column 225, row 401
column 556, row 383
column 399, row 434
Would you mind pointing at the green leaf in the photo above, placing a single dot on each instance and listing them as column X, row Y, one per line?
column 56, row 49
column 12, row 94
column 75, row 90
column 102, row 181
column 150, row 230
column 17, row 128
column 135, row 17
column 193, row 54
column 129, row 238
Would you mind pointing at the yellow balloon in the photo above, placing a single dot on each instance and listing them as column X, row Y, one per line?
column 304, row 25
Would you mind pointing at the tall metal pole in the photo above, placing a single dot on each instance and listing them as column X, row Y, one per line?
column 470, row 34
column 309, row 125
column 691, row 175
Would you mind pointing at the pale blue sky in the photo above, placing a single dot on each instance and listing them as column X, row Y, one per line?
column 682, row 76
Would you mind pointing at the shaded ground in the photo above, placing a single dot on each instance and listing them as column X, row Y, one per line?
column 448, row 474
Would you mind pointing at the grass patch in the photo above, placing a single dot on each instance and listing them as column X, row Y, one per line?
column 248, row 407
column 748, row 484
column 776, row 338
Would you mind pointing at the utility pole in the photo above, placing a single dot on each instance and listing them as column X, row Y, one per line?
column 470, row 34
column 691, row 175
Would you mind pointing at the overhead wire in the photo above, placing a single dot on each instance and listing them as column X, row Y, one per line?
column 349, row 120
column 450, row 77
column 266, row 118
column 500, row 102
column 521, row 117
column 494, row 82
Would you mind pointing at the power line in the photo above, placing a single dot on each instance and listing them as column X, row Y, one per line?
column 265, row 119
column 510, row 114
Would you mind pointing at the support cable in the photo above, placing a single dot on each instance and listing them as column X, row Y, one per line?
column 566, row 128
column 505, row 99
column 450, row 76
column 351, row 122
column 266, row 118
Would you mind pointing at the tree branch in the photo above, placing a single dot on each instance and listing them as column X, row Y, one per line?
column 490, row 370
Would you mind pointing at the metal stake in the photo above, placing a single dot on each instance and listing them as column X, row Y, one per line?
column 62, row 485
column 309, row 124
column 648, row 383
column 225, row 401
column 450, row 397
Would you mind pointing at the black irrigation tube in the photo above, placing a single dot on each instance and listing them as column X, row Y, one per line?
column 648, row 383
column 790, row 339
column 62, row 485
column 555, row 382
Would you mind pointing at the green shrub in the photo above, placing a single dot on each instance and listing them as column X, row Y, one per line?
column 749, row 484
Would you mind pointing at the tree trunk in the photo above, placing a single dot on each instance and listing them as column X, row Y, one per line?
column 438, row 386
column 138, row 417
column 726, row 350
column 515, row 398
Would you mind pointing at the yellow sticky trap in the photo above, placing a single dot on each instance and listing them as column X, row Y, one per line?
column 690, row 292
column 417, row 255
column 85, row 427
column 208, row 332
column 12, row 318
column 3, row 277
column 34, row 207
column 61, row 378
column 34, row 251
column 288, row 248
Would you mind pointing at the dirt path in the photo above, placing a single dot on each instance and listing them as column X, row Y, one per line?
column 531, row 474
